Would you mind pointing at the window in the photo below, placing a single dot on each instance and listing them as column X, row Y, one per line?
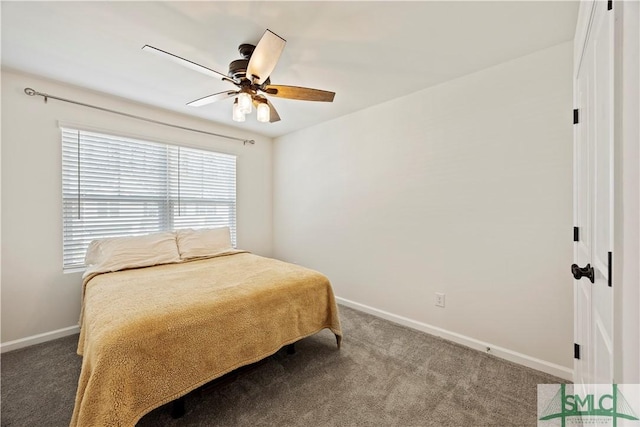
column 116, row 186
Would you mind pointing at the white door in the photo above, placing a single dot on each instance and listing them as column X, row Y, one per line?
column 593, row 201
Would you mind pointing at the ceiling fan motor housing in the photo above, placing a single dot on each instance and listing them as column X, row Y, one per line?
column 238, row 68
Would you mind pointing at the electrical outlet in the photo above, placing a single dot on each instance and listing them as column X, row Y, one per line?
column 439, row 299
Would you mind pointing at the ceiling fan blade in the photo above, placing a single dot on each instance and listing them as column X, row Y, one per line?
column 274, row 116
column 265, row 57
column 186, row 63
column 301, row 93
column 212, row 98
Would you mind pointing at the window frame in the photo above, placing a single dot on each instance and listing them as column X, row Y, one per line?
column 170, row 204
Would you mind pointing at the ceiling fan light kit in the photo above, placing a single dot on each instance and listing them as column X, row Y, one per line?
column 238, row 115
column 263, row 112
column 252, row 76
column 244, row 101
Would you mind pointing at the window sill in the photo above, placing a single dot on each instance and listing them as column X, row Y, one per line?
column 73, row 270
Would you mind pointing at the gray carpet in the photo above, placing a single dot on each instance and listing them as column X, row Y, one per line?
column 384, row 375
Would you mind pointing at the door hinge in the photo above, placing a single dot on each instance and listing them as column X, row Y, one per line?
column 576, row 234
column 575, row 116
column 610, row 5
column 576, row 351
column 610, row 269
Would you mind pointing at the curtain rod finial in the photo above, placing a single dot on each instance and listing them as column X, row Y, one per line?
column 29, row 91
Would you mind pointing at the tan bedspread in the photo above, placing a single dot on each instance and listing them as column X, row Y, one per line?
column 151, row 335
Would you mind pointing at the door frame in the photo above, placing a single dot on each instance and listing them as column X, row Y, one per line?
column 627, row 192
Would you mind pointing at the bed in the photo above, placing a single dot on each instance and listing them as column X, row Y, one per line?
column 151, row 334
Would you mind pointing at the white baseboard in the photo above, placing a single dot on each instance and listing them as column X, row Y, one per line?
column 503, row 353
column 37, row 339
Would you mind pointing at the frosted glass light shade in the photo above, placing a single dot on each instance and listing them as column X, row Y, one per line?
column 244, row 101
column 238, row 115
column 263, row 112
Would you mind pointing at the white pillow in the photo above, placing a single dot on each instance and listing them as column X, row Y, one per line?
column 203, row 242
column 119, row 253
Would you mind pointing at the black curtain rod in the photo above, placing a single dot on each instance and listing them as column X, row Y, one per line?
column 46, row 96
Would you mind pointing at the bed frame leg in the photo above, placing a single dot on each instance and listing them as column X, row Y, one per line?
column 177, row 408
column 291, row 348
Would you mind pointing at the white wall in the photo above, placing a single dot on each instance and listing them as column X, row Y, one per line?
column 36, row 296
column 462, row 188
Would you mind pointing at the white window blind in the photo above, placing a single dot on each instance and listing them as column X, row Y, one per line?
column 116, row 186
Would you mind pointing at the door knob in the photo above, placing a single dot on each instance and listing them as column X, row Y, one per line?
column 586, row 271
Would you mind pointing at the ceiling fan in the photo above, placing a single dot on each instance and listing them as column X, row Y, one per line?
column 251, row 75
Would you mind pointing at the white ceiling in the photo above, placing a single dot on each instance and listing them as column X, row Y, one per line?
column 366, row 52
